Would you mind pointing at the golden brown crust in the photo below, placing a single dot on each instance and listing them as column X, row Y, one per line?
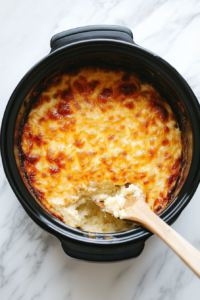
column 97, row 125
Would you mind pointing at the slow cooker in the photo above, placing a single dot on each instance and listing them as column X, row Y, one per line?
column 109, row 45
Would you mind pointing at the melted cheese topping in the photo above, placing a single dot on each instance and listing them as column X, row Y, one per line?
column 99, row 128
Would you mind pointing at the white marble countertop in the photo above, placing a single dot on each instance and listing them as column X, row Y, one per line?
column 32, row 262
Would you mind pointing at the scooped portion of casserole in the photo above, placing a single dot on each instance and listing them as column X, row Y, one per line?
column 90, row 132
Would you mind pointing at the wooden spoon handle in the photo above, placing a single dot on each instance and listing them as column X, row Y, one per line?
column 189, row 254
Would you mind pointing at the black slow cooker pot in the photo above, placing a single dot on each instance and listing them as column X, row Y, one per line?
column 111, row 45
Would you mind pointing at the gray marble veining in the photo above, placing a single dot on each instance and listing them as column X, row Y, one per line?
column 32, row 262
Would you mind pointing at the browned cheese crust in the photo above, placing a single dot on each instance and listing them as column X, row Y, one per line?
column 100, row 126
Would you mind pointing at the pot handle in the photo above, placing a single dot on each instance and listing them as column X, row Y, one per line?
column 100, row 253
column 113, row 32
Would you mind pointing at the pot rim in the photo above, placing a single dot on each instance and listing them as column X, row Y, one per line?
column 173, row 210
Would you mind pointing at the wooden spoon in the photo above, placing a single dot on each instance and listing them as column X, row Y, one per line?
column 138, row 211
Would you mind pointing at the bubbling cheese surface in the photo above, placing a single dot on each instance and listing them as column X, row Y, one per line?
column 93, row 131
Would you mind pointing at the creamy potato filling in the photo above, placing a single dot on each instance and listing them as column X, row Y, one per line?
column 115, row 204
